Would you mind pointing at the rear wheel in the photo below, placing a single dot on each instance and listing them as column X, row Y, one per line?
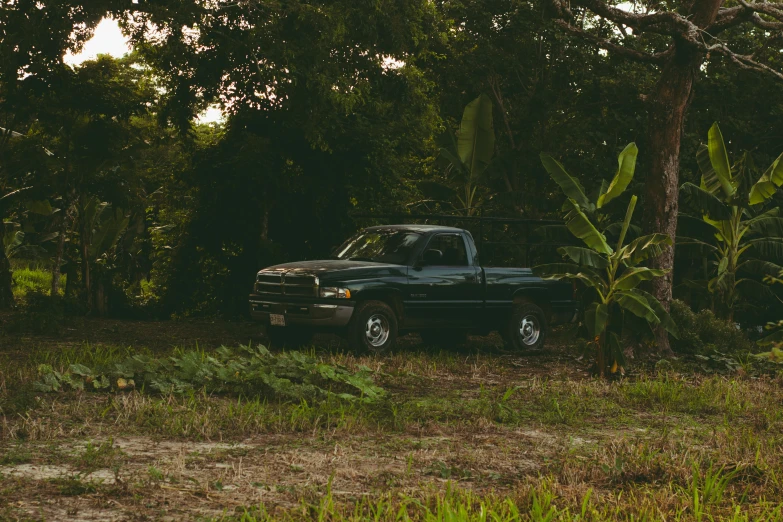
column 526, row 328
column 288, row 336
column 373, row 328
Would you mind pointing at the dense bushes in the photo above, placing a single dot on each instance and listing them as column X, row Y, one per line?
column 703, row 332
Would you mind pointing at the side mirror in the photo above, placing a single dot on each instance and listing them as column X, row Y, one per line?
column 433, row 256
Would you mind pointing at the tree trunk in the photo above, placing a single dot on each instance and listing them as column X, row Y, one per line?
column 58, row 256
column 6, row 281
column 668, row 104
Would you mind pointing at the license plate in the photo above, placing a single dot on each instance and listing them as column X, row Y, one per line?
column 277, row 319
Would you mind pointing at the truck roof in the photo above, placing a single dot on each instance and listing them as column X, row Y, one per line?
column 417, row 228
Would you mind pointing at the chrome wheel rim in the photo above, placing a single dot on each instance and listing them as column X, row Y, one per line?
column 376, row 330
column 529, row 330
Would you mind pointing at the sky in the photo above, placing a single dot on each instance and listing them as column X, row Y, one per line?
column 108, row 39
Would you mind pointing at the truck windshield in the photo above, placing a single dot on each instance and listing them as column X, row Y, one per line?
column 380, row 246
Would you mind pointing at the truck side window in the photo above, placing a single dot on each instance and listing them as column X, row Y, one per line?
column 453, row 248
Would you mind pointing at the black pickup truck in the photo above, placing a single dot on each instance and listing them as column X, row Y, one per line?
column 389, row 280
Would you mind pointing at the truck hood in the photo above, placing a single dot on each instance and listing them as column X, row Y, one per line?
column 327, row 267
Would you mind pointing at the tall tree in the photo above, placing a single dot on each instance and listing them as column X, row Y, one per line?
column 678, row 38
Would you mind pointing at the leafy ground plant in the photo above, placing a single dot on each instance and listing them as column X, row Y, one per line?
column 245, row 371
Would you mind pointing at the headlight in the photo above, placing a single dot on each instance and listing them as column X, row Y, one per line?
column 332, row 292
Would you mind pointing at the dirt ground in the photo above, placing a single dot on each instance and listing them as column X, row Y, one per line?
column 474, row 419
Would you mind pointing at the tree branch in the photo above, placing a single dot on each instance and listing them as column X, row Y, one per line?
column 744, row 61
column 621, row 50
column 748, row 12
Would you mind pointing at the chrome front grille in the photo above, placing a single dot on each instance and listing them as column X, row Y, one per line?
column 282, row 283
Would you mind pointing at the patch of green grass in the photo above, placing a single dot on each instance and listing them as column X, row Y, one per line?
column 26, row 280
column 104, row 455
column 74, row 486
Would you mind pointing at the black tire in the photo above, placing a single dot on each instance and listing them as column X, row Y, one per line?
column 288, row 336
column 361, row 332
column 444, row 338
column 519, row 334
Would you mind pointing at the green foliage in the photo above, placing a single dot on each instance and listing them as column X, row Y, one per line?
column 743, row 239
column 246, row 371
column 703, row 333
column 472, row 153
column 612, row 274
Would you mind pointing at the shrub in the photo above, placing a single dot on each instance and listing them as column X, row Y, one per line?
column 703, row 332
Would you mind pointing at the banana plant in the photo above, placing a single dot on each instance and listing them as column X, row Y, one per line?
column 593, row 206
column 732, row 227
column 615, row 275
column 471, row 153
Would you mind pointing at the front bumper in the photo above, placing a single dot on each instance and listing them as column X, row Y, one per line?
column 301, row 313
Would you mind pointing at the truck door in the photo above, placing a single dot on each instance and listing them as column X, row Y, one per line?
column 444, row 287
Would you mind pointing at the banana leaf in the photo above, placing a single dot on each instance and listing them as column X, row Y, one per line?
column 768, row 184
column 716, row 170
column 626, row 165
column 666, row 320
column 584, row 256
column 596, row 317
column 476, row 140
column 581, row 227
column 571, row 271
column 637, row 304
column 632, row 277
column 759, row 268
column 766, row 226
column 701, row 200
column 570, row 185
column 768, row 248
column 645, row 247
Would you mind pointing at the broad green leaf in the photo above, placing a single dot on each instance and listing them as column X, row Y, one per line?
column 635, row 303
column 760, row 268
column 584, row 256
column 766, row 226
column 700, row 247
column 645, row 247
column 719, row 160
column 596, row 317
column 570, row 185
column 581, row 227
column 633, row 276
column 625, row 170
column 666, row 321
column 476, row 140
column 768, row 248
column 705, row 202
column 571, row 271
column 752, row 289
column 107, row 232
column 626, row 221
column 768, row 184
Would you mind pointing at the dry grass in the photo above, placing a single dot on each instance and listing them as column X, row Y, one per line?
column 473, row 435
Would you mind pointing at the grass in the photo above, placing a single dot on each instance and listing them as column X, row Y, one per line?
column 459, row 436
column 26, row 280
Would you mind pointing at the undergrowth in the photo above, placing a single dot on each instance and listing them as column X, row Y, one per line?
column 245, row 371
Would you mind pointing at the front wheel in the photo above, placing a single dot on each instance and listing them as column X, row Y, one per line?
column 373, row 327
column 526, row 328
